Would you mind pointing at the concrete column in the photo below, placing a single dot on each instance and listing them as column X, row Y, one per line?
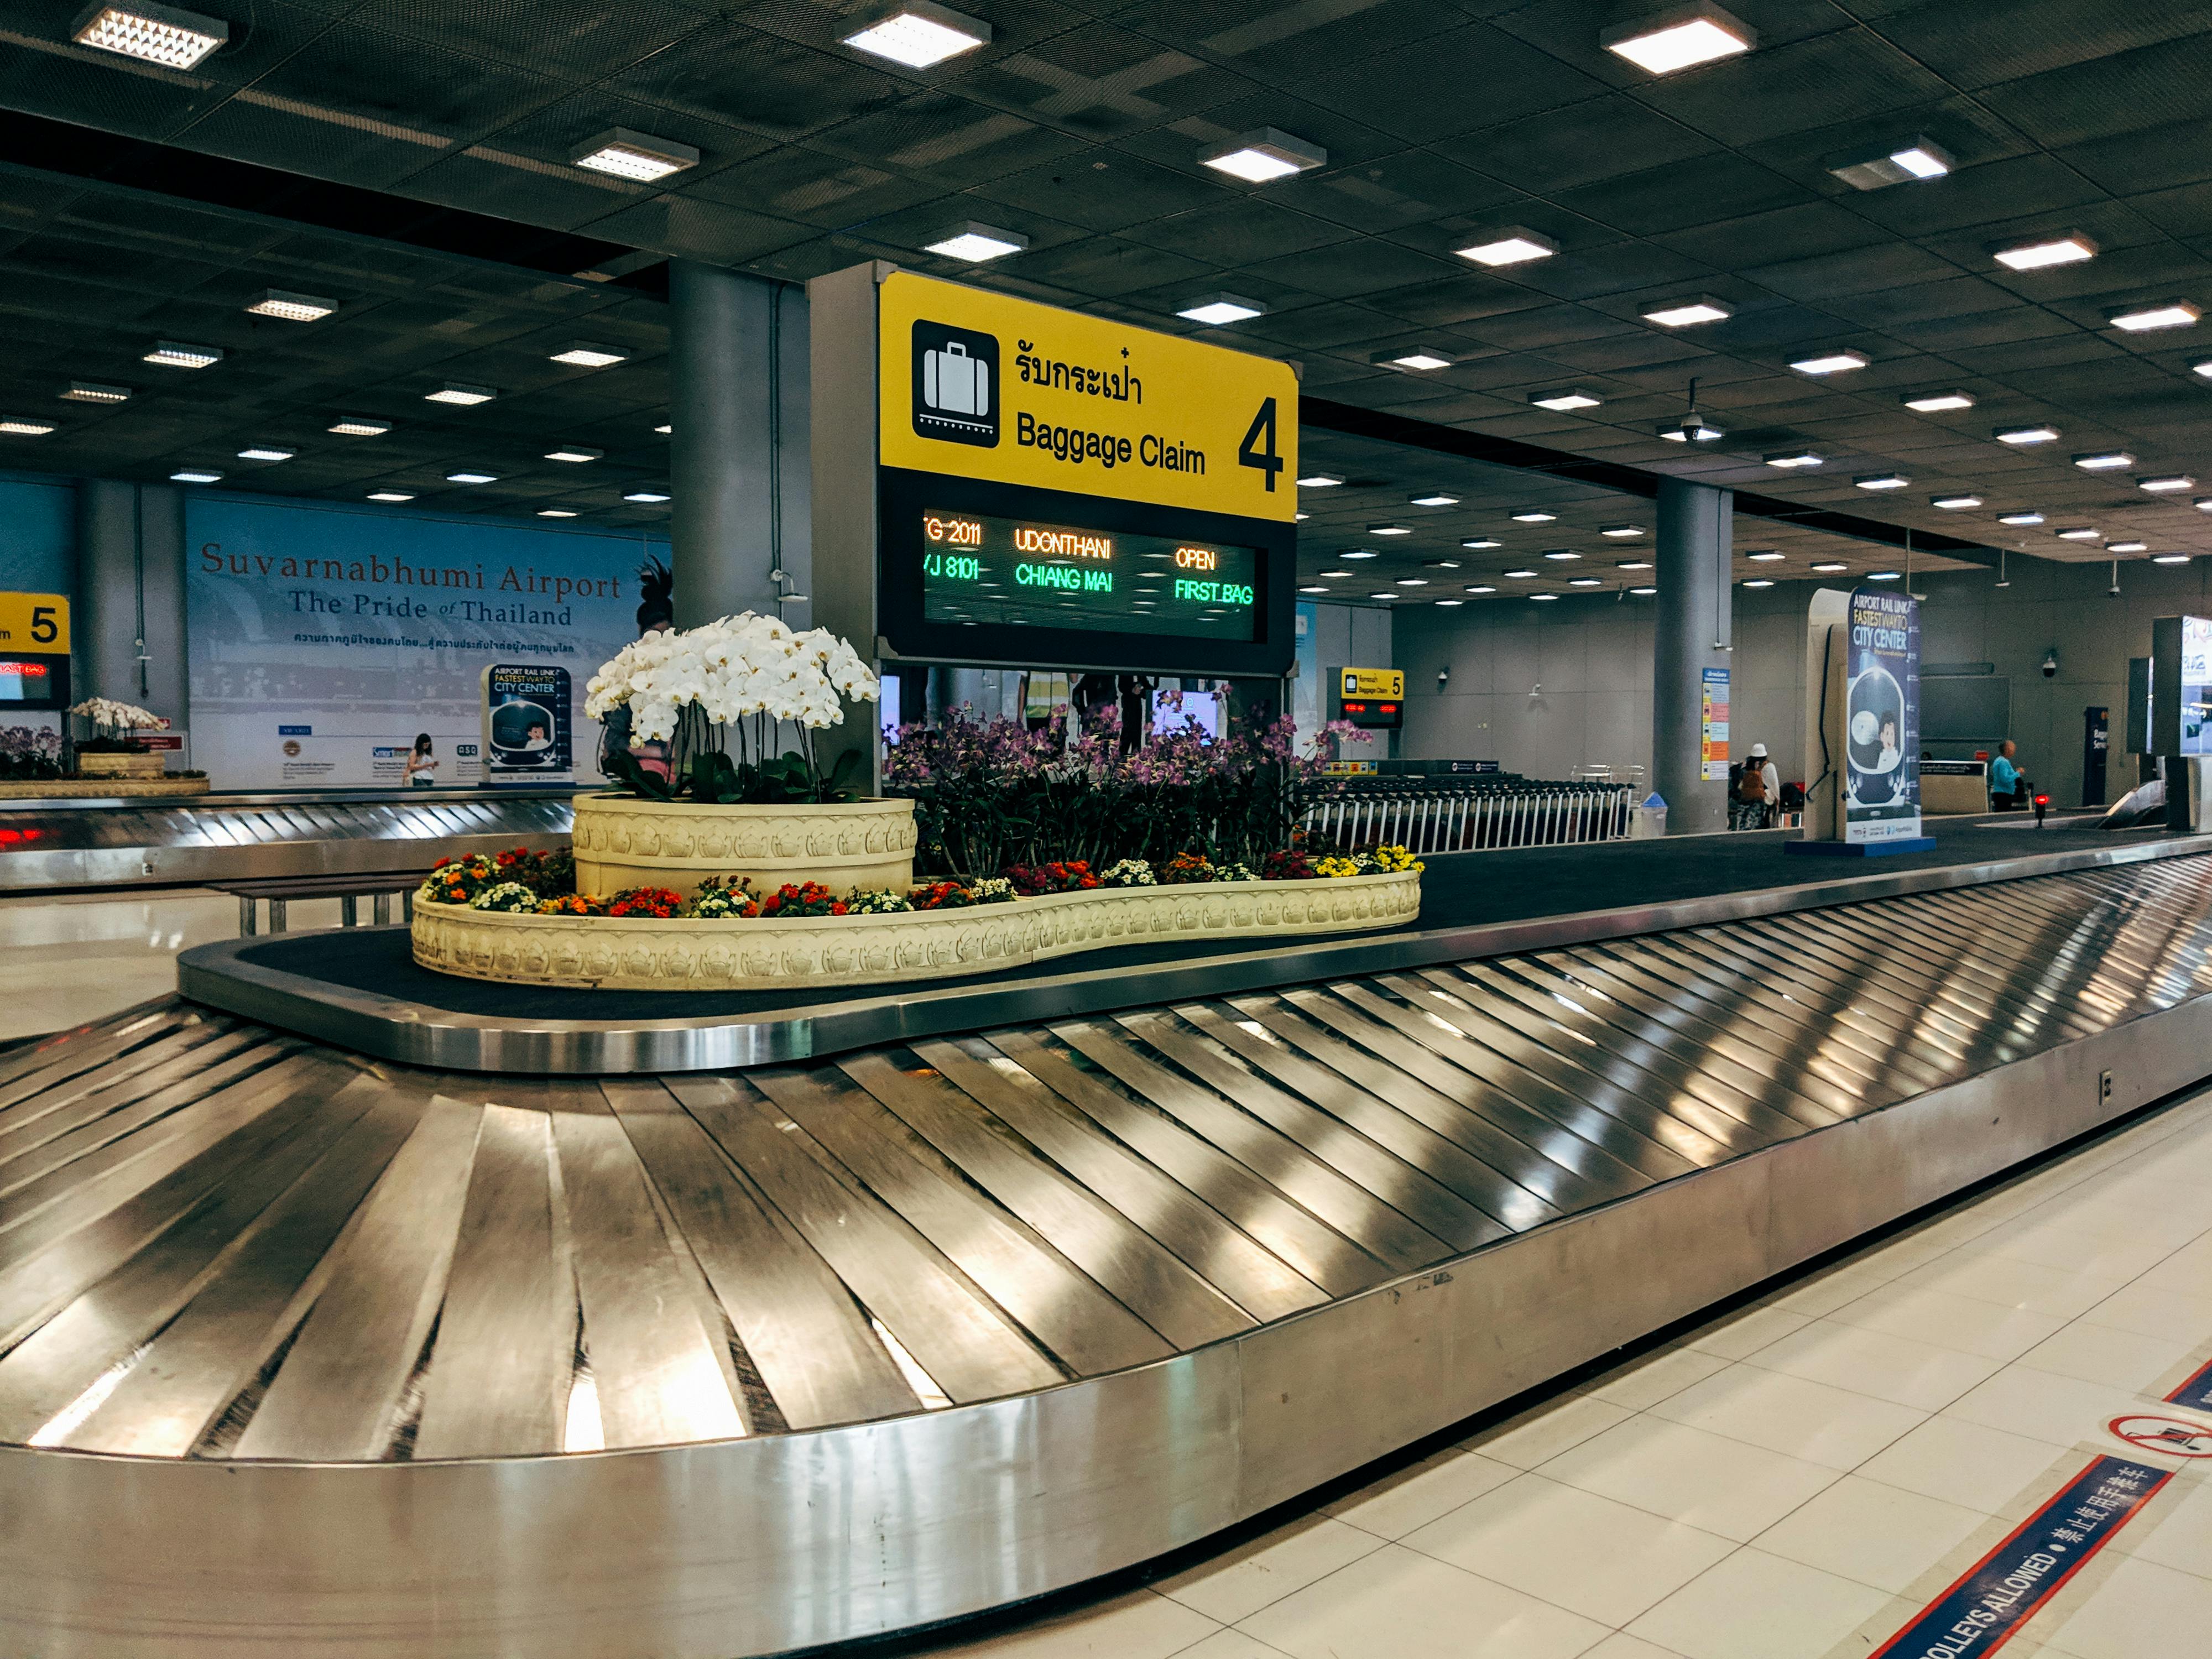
column 130, row 597
column 738, row 463
column 1696, row 629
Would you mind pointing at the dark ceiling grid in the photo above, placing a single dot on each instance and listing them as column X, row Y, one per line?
column 1439, row 119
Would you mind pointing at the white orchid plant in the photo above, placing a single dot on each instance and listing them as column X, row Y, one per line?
column 746, row 676
column 113, row 723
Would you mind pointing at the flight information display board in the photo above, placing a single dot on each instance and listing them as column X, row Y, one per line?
column 983, row 569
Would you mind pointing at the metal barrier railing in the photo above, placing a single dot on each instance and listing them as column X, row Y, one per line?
column 1432, row 816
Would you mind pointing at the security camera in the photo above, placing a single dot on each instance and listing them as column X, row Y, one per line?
column 2051, row 663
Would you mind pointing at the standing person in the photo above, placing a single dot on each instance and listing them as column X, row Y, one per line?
column 1757, row 790
column 421, row 763
column 2007, row 787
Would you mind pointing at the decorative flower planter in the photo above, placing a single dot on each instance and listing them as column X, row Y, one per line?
column 119, row 766
column 641, row 954
column 623, row 842
column 96, row 789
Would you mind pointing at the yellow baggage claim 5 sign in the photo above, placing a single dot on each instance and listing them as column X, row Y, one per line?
column 980, row 386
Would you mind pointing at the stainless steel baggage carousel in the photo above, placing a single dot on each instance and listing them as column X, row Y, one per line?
column 308, row 1352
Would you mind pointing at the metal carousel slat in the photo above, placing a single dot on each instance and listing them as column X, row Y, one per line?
column 110, row 1048
column 29, row 1122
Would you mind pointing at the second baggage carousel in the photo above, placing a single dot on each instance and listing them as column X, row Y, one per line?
column 302, row 1349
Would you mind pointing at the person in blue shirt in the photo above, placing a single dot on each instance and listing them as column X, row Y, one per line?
column 2007, row 787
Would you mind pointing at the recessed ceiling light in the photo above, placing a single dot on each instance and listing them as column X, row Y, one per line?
column 1883, row 576
column 1413, row 357
column 919, row 34
column 1357, row 553
column 555, row 513
column 1451, row 601
column 1634, row 564
column 1881, row 481
column 1513, row 245
column 1954, row 503
column 1893, row 164
column 1561, row 555
column 1794, row 458
column 2020, row 518
column 2165, row 486
column 2125, row 547
column 1930, row 403
column 1440, row 564
column 2169, row 558
column 91, row 391
column 2203, row 505
column 390, row 495
column 1620, row 532
column 584, row 355
column 1520, row 575
column 472, row 478
column 1535, row 515
column 155, row 35
column 975, row 243
column 1543, row 596
column 1217, row 310
column 1585, row 581
column 1389, row 530
column 1435, row 498
column 195, row 475
column 1385, row 594
column 266, row 452
column 1478, row 544
column 2079, row 532
column 1319, row 481
column 1263, row 156
column 1643, row 592
column 1685, row 313
column 359, row 426
column 1300, row 518
column 1335, row 575
column 2174, row 313
column 638, row 156
column 1830, row 362
column 1680, row 37
column 2045, row 251
column 1412, row 581
column 22, row 426
column 571, row 453
column 664, row 429
column 1764, row 555
column 1565, row 398
column 1315, row 589
column 289, row 308
column 2104, row 460
column 466, row 397
column 1760, row 581
column 1480, row 587
column 650, row 497
column 174, row 354
column 1832, row 567
column 2026, row 435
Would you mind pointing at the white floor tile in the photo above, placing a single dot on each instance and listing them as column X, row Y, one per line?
column 1644, row 1382
column 1266, row 1569
column 1141, row 1626
column 2018, row 1284
column 1949, row 1322
column 1873, row 1534
column 2139, row 1610
column 2044, row 1405
column 1417, row 1495
column 1834, row 1427
column 1396, row 1604
column 1589, row 1554
column 2154, row 1310
column 2174, row 1531
column 1544, row 1432
column 1621, row 1645
column 1691, row 1476
column 1895, row 1368
column 1757, row 1605
column 1232, row 1644
column 1743, row 1335
column 2099, row 1354
column 1965, row 1463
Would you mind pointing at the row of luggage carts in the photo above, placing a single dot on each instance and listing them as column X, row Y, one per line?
column 1461, row 815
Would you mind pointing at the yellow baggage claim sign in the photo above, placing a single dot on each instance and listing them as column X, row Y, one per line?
column 1059, row 488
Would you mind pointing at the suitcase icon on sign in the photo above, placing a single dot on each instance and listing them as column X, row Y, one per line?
column 956, row 370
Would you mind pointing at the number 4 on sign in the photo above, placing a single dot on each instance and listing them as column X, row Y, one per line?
column 1258, row 448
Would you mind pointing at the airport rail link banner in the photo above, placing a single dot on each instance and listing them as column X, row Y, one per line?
column 325, row 639
column 1881, row 718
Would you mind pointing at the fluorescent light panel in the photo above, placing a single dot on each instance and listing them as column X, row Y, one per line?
column 649, row 496
column 1760, row 581
column 174, row 354
column 2125, row 547
column 1435, row 498
column 919, row 35
column 1319, row 481
column 1585, row 581
column 1643, row 592
column 1620, row 532
column 466, row 396
column 976, row 243
column 555, row 513
column 390, row 495
column 1794, row 458
column 92, row 391
column 1389, row 530
column 2169, row 558
column 2070, row 248
column 2076, row 533
column 1217, row 310
column 571, row 453
column 2020, row 518
column 2166, row 485
column 2104, row 460
column 1535, row 515
column 1565, row 398
column 1881, row 481
column 23, row 426
column 1764, row 555
column 154, row 35
column 1954, row 503
column 359, row 426
column 195, row 476
column 1420, row 358
column 584, row 354
column 1831, row 568
column 1679, row 38
column 1264, row 155
column 1830, row 362
column 2023, row 436
column 1687, row 313
column 1913, row 159
column 472, row 478
column 1479, row 544
column 2143, row 320
column 1931, row 403
column 288, row 308
column 266, row 452
column 1512, row 244
column 1561, row 555
column 640, row 157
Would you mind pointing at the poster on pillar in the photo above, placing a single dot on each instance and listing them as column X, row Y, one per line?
column 325, row 641
column 1713, row 726
column 1881, row 719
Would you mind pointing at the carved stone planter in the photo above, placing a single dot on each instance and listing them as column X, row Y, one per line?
column 119, row 766
column 641, row 954
column 622, row 841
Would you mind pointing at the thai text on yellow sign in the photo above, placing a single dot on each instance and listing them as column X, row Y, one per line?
column 35, row 623
column 982, row 385
column 1374, row 682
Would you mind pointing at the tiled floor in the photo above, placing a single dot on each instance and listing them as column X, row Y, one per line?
column 66, row 960
column 1794, row 1481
